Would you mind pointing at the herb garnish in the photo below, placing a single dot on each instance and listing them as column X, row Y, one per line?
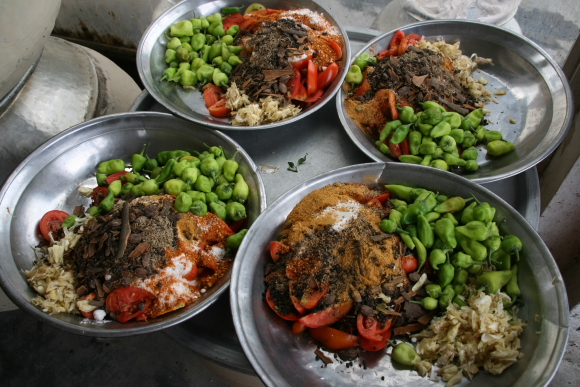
column 294, row 168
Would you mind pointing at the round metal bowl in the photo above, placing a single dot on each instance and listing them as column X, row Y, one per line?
column 281, row 358
column 538, row 96
column 189, row 104
column 50, row 177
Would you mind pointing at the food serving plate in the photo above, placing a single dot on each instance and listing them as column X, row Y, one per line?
column 281, row 358
column 538, row 99
column 49, row 179
column 190, row 104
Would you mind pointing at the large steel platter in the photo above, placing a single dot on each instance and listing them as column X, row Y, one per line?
column 281, row 358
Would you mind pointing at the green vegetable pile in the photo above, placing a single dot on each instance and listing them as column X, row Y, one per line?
column 202, row 183
column 461, row 240
column 200, row 51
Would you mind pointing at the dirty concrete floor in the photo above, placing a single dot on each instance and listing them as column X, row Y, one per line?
column 34, row 354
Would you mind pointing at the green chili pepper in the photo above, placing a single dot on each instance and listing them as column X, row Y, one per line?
column 408, row 240
column 471, row 166
column 453, row 160
column 501, row 259
column 458, row 301
column 94, row 211
column 446, row 297
column 451, row 218
column 437, row 257
column 463, row 261
column 469, row 140
column 115, row 187
column 170, row 55
column 126, row 189
column 433, row 290
column 426, row 160
column 498, row 148
column 175, row 186
column 410, row 159
column 216, row 17
column 472, row 120
column 479, row 133
column 424, row 231
column 220, row 79
column 454, row 120
column 209, row 40
column 234, row 241
column 166, row 172
column 224, row 191
column 204, row 22
column 431, row 116
column 182, row 55
column 205, row 52
column 165, row 156
column 432, row 105
column 467, row 214
column 107, row 203
column 198, row 208
column 413, row 211
column 512, row 288
column 190, row 175
column 203, row 184
column 493, row 281
column 228, row 39
column 440, row 164
column 493, row 135
column 232, row 31
column 363, row 60
column 388, row 129
column 458, row 289
column 474, row 230
column 445, row 229
column 421, row 252
column 205, row 74
column 415, row 142
column 407, row 114
column 412, row 231
column 474, row 269
column 384, row 148
column 235, row 49
column 446, row 273
column 231, row 10
column 182, row 202
column 185, row 39
column 174, row 43
column 226, row 68
column 427, row 148
column 136, row 190
column 440, row 130
column 182, row 28
column 230, row 168
column 210, row 167
column 447, row 143
column 470, row 153
column 354, row 75
column 460, row 277
column 425, row 129
column 188, row 79
column 390, row 227
column 431, row 217
column 215, row 51
column 395, row 216
column 196, row 64
column 218, row 210
column 235, row 211
column 234, row 60
column 196, row 25
column 111, row 166
column 69, row 221
column 473, row 248
column 241, row 189
column 513, row 245
column 400, row 191
column 102, row 179
column 404, row 354
column 453, row 204
column 483, row 212
column 196, row 195
column 428, row 303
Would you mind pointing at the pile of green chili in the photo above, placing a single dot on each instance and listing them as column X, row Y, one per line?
column 458, row 237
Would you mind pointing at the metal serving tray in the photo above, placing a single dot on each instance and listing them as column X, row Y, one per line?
column 212, row 335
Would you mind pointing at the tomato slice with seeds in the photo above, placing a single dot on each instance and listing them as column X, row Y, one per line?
column 99, row 193
column 405, row 147
column 326, row 77
column 327, row 316
column 302, row 63
column 192, row 274
column 129, row 302
column 272, row 304
column 211, row 94
column 371, row 345
column 314, row 97
column 277, row 249
column 334, row 339
column 235, row 19
column 396, row 39
column 219, row 109
column 335, row 47
column 363, row 88
column 367, row 327
column 115, row 176
column 89, row 297
column 298, row 328
column 311, row 298
column 51, row 222
column 379, row 200
column 312, row 83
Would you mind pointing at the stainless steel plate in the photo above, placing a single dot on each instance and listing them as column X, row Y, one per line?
column 281, row 358
column 538, row 97
column 49, row 178
column 189, row 104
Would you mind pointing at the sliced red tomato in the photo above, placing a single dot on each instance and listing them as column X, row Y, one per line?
column 379, row 200
column 311, row 298
column 326, row 77
column 302, row 63
column 334, row 339
column 99, row 193
column 387, row 325
column 51, row 222
column 129, row 302
column 312, row 78
column 405, row 148
column 315, row 97
column 297, row 89
column 367, row 327
column 395, row 148
column 335, row 47
column 211, row 94
column 237, row 226
column 409, row 263
column 403, row 46
column 397, row 38
column 235, row 19
column 297, row 305
column 248, row 23
column 371, row 345
column 298, row 328
column 277, row 249
column 363, row 88
column 414, row 36
column 192, row 274
column 89, row 297
column 115, row 176
column 219, row 109
column 327, row 316
column 387, row 53
column 272, row 304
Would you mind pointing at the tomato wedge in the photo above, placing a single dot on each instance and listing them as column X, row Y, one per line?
column 409, row 263
column 327, row 316
column 124, row 304
column 367, row 327
column 297, row 90
column 387, row 53
column 312, row 83
column 334, row 339
column 219, row 109
column 51, row 222
column 379, row 200
column 272, row 304
column 326, row 77
column 405, row 148
column 315, row 97
column 211, row 94
column 363, row 88
column 370, row 345
column 237, row 226
column 235, row 19
column 192, row 274
column 277, row 249
column 302, row 63
column 115, row 176
column 89, row 297
column 335, row 47
column 396, row 39
column 395, row 148
column 99, row 193
column 298, row 328
column 403, row 46
column 311, row 298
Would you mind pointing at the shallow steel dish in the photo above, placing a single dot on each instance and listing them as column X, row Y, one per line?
column 189, row 104
column 49, row 178
column 538, row 97
column 281, row 358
